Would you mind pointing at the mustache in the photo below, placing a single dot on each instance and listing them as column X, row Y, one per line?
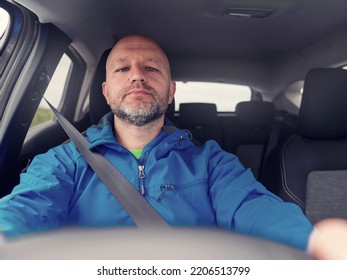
column 138, row 86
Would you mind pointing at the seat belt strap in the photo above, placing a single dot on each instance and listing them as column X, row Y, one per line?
column 143, row 214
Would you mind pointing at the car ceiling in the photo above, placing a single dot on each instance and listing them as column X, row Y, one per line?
column 203, row 43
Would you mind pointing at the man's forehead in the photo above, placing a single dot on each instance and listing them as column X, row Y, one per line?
column 145, row 52
column 137, row 41
column 119, row 58
column 138, row 47
column 124, row 58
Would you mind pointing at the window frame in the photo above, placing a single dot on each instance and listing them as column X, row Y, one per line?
column 67, row 107
column 20, row 40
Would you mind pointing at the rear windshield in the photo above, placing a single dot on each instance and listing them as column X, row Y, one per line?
column 225, row 96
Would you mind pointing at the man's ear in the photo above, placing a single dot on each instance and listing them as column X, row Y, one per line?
column 105, row 91
column 172, row 91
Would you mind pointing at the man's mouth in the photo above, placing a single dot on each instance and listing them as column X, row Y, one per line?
column 138, row 92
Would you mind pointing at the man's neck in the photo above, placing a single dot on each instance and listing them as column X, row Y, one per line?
column 136, row 137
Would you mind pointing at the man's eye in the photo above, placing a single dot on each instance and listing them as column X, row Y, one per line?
column 123, row 69
column 151, row 69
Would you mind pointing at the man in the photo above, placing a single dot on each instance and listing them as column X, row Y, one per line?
column 186, row 184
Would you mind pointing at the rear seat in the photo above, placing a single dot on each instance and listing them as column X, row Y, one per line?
column 248, row 133
column 201, row 119
column 251, row 134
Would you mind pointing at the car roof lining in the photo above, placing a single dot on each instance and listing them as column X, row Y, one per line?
column 248, row 51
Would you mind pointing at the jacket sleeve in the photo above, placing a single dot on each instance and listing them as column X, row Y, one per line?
column 41, row 200
column 243, row 204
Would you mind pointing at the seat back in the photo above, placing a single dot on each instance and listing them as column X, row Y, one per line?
column 310, row 168
column 201, row 119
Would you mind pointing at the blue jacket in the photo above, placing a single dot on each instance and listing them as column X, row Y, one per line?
column 188, row 185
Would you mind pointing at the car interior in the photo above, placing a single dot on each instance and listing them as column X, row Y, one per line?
column 291, row 132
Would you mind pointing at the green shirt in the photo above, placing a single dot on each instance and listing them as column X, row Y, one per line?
column 136, row 152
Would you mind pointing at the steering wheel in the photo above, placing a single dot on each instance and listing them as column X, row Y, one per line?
column 132, row 243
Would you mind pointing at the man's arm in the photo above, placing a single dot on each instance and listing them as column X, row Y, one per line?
column 41, row 200
column 243, row 204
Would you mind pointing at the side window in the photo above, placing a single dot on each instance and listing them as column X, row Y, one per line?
column 225, row 96
column 54, row 92
column 6, row 49
column 4, row 24
column 291, row 99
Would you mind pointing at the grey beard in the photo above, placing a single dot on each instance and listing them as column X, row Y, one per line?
column 137, row 118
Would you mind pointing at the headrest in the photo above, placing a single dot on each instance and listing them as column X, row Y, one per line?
column 195, row 114
column 97, row 104
column 323, row 112
column 255, row 114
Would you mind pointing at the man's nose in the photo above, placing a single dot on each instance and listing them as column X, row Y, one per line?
column 137, row 74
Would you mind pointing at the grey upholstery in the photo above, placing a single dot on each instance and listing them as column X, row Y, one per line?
column 318, row 145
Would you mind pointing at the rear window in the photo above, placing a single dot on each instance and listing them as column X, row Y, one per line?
column 225, row 96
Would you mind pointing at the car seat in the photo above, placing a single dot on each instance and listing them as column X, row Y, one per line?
column 247, row 134
column 310, row 168
column 201, row 119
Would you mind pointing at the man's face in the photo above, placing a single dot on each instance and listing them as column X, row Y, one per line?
column 138, row 85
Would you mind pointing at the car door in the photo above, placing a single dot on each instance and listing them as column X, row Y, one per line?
column 30, row 52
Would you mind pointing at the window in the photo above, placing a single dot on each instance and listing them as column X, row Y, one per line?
column 4, row 23
column 225, row 96
column 5, row 20
column 54, row 91
column 291, row 99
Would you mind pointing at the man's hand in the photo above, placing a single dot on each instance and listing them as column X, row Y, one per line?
column 329, row 240
column 2, row 239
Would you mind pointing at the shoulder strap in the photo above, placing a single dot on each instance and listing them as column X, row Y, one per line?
column 143, row 214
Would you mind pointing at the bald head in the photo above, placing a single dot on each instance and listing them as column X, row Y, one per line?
column 137, row 43
column 138, row 84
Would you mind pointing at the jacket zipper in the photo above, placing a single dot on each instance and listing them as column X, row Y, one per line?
column 142, row 176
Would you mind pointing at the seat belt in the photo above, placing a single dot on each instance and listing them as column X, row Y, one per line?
column 143, row 214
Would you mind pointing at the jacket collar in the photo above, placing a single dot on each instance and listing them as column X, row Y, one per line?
column 102, row 134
